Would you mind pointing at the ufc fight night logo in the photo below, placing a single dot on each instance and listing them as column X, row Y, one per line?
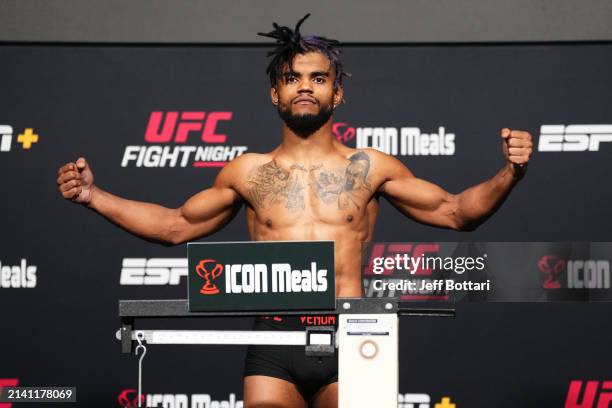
column 589, row 394
column 404, row 141
column 168, row 135
column 573, row 138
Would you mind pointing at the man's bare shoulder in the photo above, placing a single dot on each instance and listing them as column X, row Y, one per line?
column 236, row 171
column 381, row 164
column 373, row 154
column 244, row 163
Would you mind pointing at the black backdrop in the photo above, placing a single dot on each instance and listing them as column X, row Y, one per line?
column 96, row 100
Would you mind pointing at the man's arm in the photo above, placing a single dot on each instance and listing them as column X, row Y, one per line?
column 427, row 203
column 201, row 215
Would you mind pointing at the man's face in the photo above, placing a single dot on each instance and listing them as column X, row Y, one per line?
column 305, row 94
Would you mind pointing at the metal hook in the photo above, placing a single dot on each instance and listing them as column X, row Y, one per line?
column 140, row 337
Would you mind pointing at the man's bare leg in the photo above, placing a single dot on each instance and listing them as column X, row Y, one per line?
column 261, row 391
column 326, row 397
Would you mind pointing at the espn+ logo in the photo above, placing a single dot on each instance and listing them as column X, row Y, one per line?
column 423, row 401
column 167, row 135
column 27, row 139
column 573, row 138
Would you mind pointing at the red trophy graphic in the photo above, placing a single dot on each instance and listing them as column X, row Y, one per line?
column 209, row 288
column 552, row 266
column 126, row 402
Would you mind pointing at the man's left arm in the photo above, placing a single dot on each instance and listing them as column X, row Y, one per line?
column 429, row 204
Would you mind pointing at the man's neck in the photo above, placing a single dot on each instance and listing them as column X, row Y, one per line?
column 318, row 144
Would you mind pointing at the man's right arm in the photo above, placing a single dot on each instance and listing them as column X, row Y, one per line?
column 201, row 215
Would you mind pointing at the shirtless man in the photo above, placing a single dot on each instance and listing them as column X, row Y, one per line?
column 309, row 188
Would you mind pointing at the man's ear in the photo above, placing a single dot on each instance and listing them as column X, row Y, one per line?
column 338, row 96
column 274, row 95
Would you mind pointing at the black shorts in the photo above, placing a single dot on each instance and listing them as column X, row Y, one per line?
column 290, row 363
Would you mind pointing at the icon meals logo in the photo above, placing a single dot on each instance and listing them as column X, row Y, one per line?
column 166, row 128
column 129, row 399
column 581, row 274
column 404, row 141
column 258, row 278
column 18, row 276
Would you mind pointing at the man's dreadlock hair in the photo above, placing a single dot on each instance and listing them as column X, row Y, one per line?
column 290, row 43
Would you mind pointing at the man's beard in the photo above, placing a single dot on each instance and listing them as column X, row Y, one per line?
column 305, row 125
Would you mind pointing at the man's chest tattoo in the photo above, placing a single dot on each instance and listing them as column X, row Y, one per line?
column 348, row 187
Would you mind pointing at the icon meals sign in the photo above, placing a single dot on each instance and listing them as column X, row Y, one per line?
column 267, row 276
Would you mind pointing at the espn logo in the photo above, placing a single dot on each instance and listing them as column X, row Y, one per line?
column 573, row 138
column 152, row 271
column 592, row 395
column 6, row 137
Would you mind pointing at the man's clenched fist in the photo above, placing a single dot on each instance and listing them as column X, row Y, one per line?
column 75, row 181
column 517, row 149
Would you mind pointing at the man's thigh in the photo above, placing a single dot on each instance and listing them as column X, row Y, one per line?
column 326, row 397
column 261, row 391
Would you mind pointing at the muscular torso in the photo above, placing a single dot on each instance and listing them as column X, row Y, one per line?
column 319, row 198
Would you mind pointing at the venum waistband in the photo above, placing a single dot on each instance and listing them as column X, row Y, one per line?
column 301, row 321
